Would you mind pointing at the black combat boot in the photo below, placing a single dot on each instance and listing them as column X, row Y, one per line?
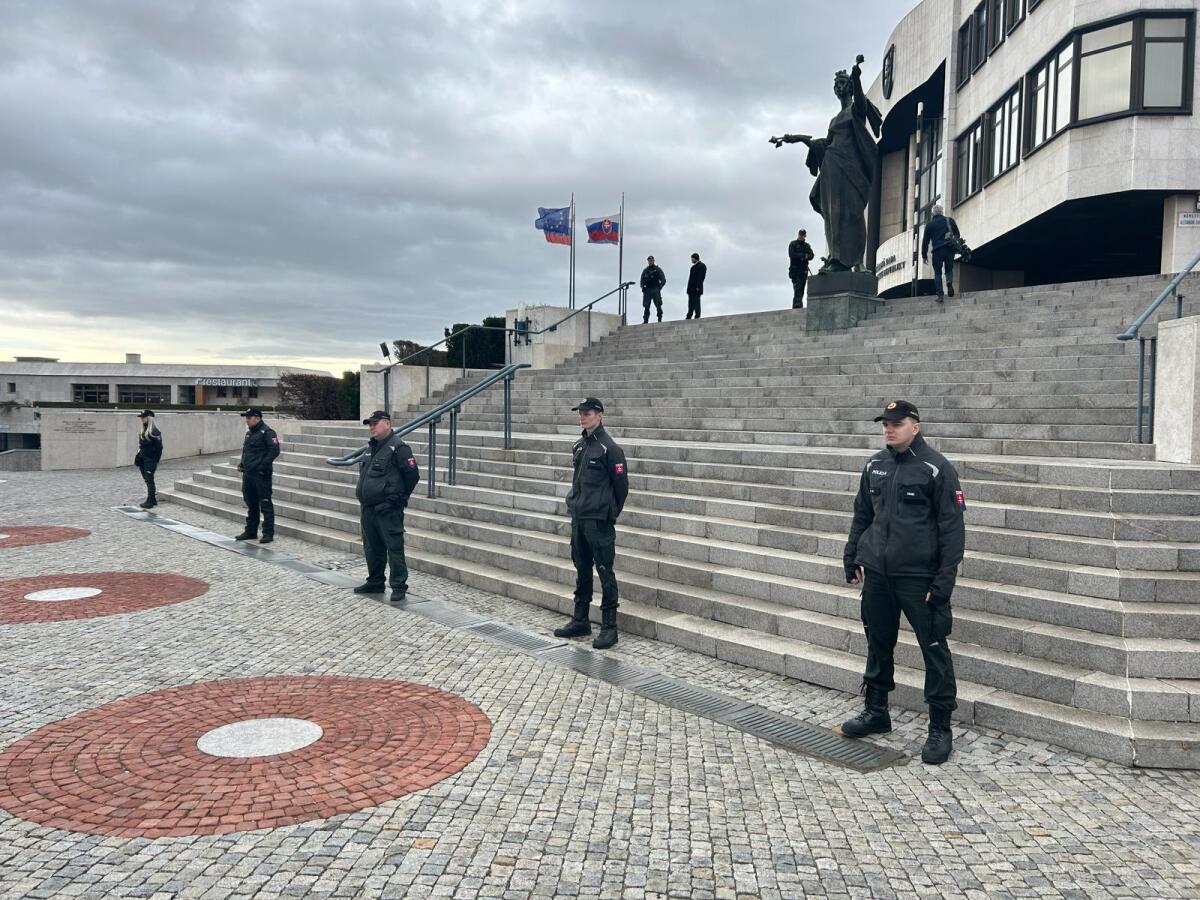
column 874, row 719
column 608, row 628
column 579, row 624
column 246, row 535
column 148, row 503
column 940, row 742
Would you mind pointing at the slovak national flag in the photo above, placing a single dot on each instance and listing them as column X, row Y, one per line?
column 604, row 231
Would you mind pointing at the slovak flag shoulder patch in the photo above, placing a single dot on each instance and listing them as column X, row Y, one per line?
column 960, row 499
column 619, row 468
column 275, row 439
column 412, row 462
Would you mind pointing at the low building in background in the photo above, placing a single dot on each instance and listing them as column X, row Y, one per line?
column 1059, row 134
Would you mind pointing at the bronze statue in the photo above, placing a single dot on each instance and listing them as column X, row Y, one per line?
column 844, row 165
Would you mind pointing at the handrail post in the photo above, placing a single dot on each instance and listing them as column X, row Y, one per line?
column 432, row 457
column 428, row 357
column 1178, row 303
column 466, row 331
column 1141, row 388
column 452, row 464
column 1153, row 367
column 589, row 326
column 508, row 413
column 387, row 374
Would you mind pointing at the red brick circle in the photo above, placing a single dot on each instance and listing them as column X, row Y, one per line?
column 26, row 535
column 132, row 768
column 120, row 592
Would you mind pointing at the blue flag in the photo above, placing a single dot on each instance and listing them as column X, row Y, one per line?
column 555, row 224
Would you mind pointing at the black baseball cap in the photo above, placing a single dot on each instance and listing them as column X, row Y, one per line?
column 588, row 403
column 897, row 410
column 146, row 412
column 376, row 416
column 253, row 411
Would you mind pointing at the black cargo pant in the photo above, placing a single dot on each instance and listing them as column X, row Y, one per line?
column 256, row 491
column 798, row 283
column 883, row 598
column 693, row 306
column 648, row 297
column 147, row 471
column 594, row 542
column 383, row 542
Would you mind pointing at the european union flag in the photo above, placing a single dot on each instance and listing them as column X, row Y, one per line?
column 555, row 224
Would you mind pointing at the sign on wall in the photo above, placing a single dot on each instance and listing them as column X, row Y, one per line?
column 227, row 382
column 1189, row 219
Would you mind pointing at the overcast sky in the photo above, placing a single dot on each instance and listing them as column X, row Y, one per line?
column 292, row 182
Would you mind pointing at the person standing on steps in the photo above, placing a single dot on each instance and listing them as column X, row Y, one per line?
column 940, row 234
column 150, row 448
column 800, row 254
column 599, row 486
column 653, row 281
column 906, row 542
column 260, row 447
column 695, row 286
column 387, row 476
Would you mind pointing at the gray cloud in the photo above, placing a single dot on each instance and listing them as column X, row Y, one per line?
column 326, row 173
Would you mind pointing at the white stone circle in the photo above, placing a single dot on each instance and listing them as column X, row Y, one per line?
column 64, row 593
column 259, row 737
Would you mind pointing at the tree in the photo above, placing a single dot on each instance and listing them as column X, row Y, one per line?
column 347, row 396
column 484, row 348
column 310, row 396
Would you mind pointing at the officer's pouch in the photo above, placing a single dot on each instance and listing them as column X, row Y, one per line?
column 913, row 495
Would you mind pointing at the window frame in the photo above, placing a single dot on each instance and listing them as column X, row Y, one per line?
column 964, row 52
column 974, row 137
column 979, row 35
column 80, row 391
column 1005, row 106
column 1011, row 21
column 997, row 30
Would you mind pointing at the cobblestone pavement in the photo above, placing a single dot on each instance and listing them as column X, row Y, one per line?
column 583, row 789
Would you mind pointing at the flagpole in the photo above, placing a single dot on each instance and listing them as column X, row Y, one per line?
column 621, row 244
column 571, row 283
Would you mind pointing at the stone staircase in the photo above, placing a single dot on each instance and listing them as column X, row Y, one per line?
column 1077, row 612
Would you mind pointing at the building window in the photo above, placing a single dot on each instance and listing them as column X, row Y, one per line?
column 1014, row 14
column 1062, row 88
column 222, row 393
column 979, row 36
column 144, row 394
column 89, row 393
column 252, row 392
column 12, row 387
column 1105, row 70
column 968, row 162
column 1004, row 128
column 964, row 53
column 1164, row 49
column 929, row 168
column 996, row 19
column 1049, row 91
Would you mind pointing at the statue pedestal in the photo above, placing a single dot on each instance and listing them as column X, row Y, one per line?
column 839, row 300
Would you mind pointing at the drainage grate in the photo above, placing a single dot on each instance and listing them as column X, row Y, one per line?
column 522, row 640
column 811, row 739
column 594, row 665
column 450, row 616
column 686, row 697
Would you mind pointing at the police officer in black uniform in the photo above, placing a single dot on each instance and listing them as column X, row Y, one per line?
column 800, row 254
column 259, row 450
column 652, row 282
column 599, row 487
column 905, row 545
column 387, row 476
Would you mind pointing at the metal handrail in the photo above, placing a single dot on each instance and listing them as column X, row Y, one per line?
column 1172, row 288
column 622, row 308
column 433, row 416
column 1148, row 352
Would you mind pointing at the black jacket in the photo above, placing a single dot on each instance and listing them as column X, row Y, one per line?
column 150, row 449
column 653, row 279
column 259, row 449
column 937, row 231
column 387, row 474
column 908, row 518
column 600, row 482
column 696, row 278
column 800, row 254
